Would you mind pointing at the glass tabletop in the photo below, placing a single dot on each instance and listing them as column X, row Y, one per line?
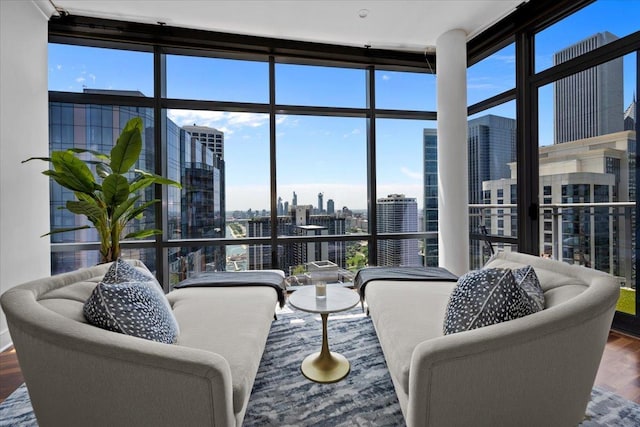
column 338, row 298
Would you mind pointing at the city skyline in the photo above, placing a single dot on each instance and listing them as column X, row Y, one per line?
column 334, row 155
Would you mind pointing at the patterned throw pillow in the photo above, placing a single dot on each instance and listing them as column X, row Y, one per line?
column 527, row 279
column 132, row 303
column 485, row 297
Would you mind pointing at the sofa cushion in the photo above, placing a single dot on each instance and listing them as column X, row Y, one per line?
column 130, row 302
column 485, row 297
column 527, row 279
column 233, row 322
column 404, row 315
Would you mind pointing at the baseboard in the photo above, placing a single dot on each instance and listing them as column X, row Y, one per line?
column 5, row 340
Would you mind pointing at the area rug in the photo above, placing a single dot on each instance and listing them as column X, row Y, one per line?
column 281, row 396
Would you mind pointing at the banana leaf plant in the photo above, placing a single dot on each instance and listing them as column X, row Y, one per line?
column 111, row 199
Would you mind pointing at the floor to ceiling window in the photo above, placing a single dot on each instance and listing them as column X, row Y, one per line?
column 574, row 161
column 587, row 127
column 491, row 142
column 282, row 164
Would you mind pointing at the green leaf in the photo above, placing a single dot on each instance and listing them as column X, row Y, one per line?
column 127, row 149
column 89, row 209
column 73, row 172
column 158, row 179
column 62, row 230
column 140, row 209
column 124, row 207
column 46, row 159
column 116, row 189
column 97, row 154
column 142, row 233
column 138, row 184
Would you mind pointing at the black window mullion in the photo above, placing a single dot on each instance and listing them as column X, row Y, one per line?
column 160, row 160
column 371, row 166
column 526, row 146
column 272, row 162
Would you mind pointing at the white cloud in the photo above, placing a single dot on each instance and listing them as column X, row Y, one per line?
column 411, row 174
column 227, row 122
column 386, row 77
column 355, row 131
column 92, row 77
column 507, row 59
column 80, row 80
column 59, row 67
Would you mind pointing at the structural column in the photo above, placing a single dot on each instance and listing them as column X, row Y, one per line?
column 453, row 182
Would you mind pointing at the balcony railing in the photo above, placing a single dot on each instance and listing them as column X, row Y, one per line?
column 594, row 235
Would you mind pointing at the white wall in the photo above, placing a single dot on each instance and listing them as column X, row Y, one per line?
column 24, row 132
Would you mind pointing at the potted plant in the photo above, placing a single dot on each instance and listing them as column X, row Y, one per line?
column 111, row 199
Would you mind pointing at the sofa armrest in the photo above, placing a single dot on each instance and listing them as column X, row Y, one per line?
column 536, row 370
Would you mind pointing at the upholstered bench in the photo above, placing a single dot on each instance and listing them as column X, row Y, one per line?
column 78, row 374
column 531, row 371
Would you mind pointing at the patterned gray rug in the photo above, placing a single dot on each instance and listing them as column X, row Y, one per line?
column 283, row 397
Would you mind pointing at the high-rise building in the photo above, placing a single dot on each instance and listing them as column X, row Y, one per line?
column 593, row 170
column 629, row 116
column 298, row 222
column 398, row 214
column 430, row 158
column 588, row 103
column 294, row 201
column 93, row 127
column 492, row 146
column 320, row 203
column 331, row 207
column 280, row 206
column 211, row 137
column 196, row 210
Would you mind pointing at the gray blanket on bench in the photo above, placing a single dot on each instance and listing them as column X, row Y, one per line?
column 367, row 274
column 230, row 278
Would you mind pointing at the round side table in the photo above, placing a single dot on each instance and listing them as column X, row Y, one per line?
column 324, row 366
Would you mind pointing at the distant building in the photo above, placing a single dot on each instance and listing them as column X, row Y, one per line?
column 196, row 210
column 298, row 222
column 211, row 137
column 492, row 146
column 598, row 169
column 331, row 207
column 397, row 214
column 94, row 127
column 630, row 115
column 430, row 217
column 588, row 103
column 320, row 204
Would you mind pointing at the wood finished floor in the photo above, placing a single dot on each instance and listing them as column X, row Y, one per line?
column 619, row 370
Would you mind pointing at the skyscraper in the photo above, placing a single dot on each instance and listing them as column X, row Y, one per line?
column 331, row 207
column 492, row 146
column 211, row 137
column 588, row 103
column 629, row 116
column 298, row 222
column 320, row 203
column 430, row 157
column 398, row 214
column 93, row 127
column 196, row 210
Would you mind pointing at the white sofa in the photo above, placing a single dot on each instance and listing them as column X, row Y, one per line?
column 537, row 370
column 80, row 375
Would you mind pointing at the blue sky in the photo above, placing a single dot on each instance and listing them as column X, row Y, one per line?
column 328, row 154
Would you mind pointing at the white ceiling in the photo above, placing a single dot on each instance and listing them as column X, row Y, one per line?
column 412, row 25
